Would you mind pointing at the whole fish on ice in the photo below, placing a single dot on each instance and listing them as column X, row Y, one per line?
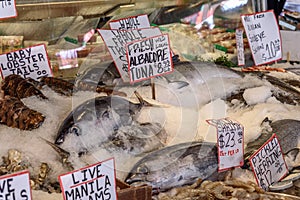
column 193, row 84
column 175, row 166
column 109, row 122
column 191, row 78
column 184, row 163
column 288, row 133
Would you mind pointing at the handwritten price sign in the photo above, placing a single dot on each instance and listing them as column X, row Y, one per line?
column 230, row 142
column 268, row 163
column 116, row 41
column 7, row 9
column 133, row 22
column 263, row 35
column 240, row 46
column 149, row 58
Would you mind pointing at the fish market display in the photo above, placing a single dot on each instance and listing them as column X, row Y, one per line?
column 175, row 166
column 287, row 131
column 16, row 86
column 228, row 189
column 58, row 85
column 12, row 162
column 109, row 121
column 15, row 162
column 14, row 113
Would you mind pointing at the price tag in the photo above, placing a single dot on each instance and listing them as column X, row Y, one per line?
column 268, row 163
column 88, row 36
column 149, row 57
column 116, row 41
column 133, row 22
column 8, row 9
column 67, row 59
column 230, row 142
column 92, row 182
column 240, row 46
column 28, row 62
column 263, row 36
column 15, row 186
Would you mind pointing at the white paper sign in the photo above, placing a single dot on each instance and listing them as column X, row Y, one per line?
column 28, row 62
column 149, row 57
column 230, row 136
column 268, row 163
column 240, row 46
column 116, row 41
column 263, row 36
column 133, row 22
column 92, row 182
column 7, row 9
column 15, row 186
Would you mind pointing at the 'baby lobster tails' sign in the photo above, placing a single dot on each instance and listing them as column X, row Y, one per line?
column 30, row 62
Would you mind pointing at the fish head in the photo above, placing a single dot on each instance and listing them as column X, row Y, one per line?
column 138, row 176
column 73, row 129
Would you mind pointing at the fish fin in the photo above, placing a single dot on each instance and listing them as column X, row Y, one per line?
column 178, row 84
column 145, row 103
column 142, row 101
column 61, row 152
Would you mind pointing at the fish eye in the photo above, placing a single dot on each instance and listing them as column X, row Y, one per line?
column 75, row 130
column 143, row 169
column 105, row 114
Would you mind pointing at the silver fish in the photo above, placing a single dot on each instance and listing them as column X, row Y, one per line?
column 106, row 122
column 288, row 133
column 104, row 73
column 175, row 165
column 107, row 74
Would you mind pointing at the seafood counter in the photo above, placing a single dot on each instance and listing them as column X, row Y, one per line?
column 53, row 126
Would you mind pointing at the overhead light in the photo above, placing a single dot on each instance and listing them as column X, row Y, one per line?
column 127, row 5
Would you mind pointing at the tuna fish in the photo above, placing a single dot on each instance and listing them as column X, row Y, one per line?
column 175, row 166
column 184, row 163
column 106, row 122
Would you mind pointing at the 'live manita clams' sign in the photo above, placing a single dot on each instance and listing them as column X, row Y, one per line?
column 7, row 9
column 230, row 141
column 133, row 22
column 97, row 181
column 149, row 57
column 30, row 62
column 15, row 186
column 116, row 41
column 263, row 36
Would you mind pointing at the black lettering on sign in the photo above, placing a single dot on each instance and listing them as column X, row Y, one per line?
column 25, row 62
column 129, row 23
column 259, row 16
column 268, row 163
column 24, row 195
column 5, row 3
column 149, row 57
